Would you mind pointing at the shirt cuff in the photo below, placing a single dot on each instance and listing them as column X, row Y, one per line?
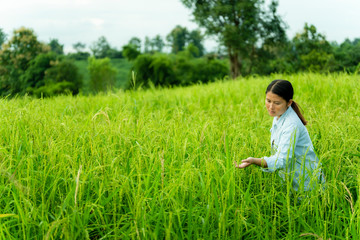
column 271, row 162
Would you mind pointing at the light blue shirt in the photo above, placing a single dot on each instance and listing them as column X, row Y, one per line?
column 293, row 152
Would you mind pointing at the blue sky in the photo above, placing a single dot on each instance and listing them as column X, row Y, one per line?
column 71, row 21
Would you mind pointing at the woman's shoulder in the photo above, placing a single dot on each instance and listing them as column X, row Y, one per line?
column 293, row 120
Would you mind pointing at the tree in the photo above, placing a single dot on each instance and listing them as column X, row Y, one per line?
column 196, row 38
column 239, row 25
column 2, row 37
column 132, row 49
column 15, row 57
column 79, row 46
column 148, row 45
column 100, row 47
column 34, row 75
column 56, row 47
column 177, row 39
column 102, row 74
column 61, row 77
column 155, row 44
column 312, row 51
column 80, row 54
column 347, row 55
column 158, row 43
column 136, row 43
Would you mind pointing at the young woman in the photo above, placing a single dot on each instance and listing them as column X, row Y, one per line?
column 292, row 150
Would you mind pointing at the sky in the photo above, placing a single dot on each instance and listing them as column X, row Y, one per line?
column 72, row 21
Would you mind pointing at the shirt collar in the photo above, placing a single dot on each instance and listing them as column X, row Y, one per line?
column 280, row 121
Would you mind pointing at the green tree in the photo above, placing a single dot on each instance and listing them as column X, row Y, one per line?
column 133, row 48
column 2, row 37
column 158, row 43
column 312, row 51
column 153, row 45
column 239, row 25
column 56, row 47
column 100, row 48
column 62, row 77
column 79, row 46
column 177, row 38
column 148, row 45
column 34, row 76
column 196, row 38
column 347, row 55
column 102, row 74
column 136, row 43
column 80, row 53
column 15, row 57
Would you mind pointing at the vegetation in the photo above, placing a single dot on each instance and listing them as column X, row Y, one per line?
column 157, row 164
column 171, row 70
column 241, row 26
column 30, row 67
column 102, row 74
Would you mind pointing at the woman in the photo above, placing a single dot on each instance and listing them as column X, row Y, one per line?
column 292, row 150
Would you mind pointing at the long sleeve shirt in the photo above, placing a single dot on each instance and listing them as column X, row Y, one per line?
column 293, row 152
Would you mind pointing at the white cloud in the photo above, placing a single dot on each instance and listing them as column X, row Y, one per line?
column 96, row 22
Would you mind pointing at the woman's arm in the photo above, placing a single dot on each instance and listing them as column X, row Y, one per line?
column 247, row 162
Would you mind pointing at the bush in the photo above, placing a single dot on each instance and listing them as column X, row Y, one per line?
column 171, row 70
column 102, row 74
column 62, row 77
column 35, row 73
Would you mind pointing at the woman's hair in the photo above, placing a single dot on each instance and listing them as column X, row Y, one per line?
column 284, row 89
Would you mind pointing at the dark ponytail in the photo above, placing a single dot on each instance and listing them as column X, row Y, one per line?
column 284, row 89
column 296, row 108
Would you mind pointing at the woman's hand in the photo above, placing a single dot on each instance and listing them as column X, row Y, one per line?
column 244, row 163
column 250, row 160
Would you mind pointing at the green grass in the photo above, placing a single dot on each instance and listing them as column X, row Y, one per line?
column 157, row 164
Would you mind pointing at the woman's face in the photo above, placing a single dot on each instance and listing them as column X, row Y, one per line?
column 275, row 104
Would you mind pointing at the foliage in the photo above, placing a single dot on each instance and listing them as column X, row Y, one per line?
column 102, row 74
column 79, row 46
column 180, row 37
column 196, row 38
column 2, row 38
column 80, row 53
column 312, row 51
column 171, row 70
column 155, row 44
column 15, row 57
column 177, row 38
column 34, row 76
column 56, row 47
column 102, row 49
column 154, row 69
column 347, row 55
column 132, row 49
column 158, row 164
column 130, row 52
column 49, row 76
column 240, row 26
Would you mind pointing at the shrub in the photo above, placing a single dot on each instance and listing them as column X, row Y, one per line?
column 62, row 77
column 102, row 74
column 171, row 70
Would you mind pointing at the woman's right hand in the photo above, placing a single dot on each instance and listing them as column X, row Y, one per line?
column 243, row 164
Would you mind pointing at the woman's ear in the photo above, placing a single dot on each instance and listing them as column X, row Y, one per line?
column 290, row 102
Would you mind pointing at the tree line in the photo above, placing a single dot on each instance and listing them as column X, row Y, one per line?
column 252, row 40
